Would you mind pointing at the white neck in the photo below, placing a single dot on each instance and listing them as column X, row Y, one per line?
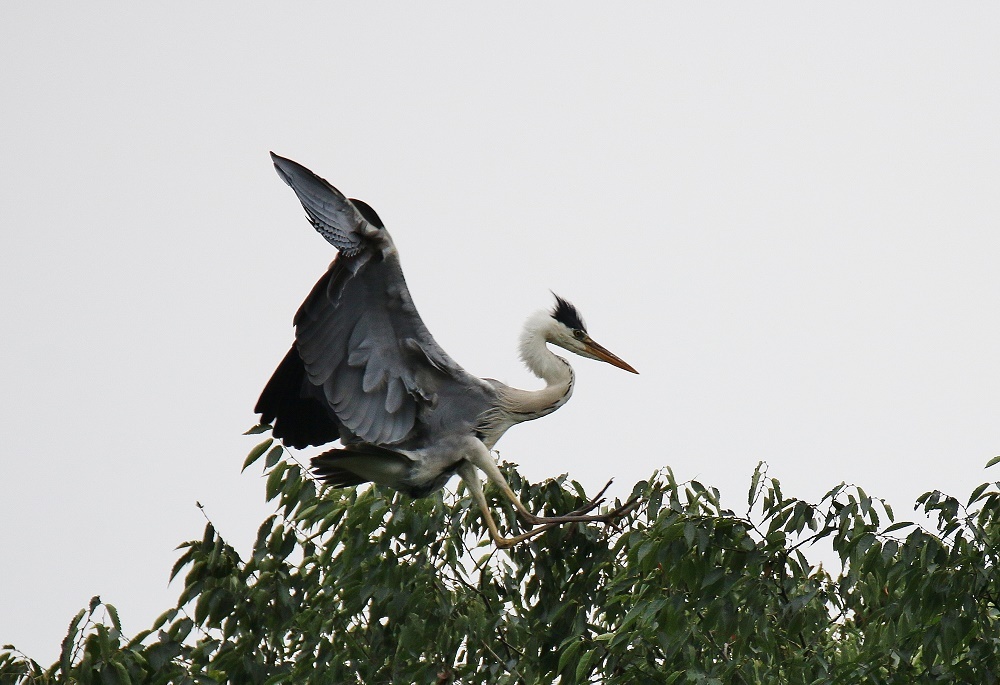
column 537, row 356
column 516, row 405
column 551, row 368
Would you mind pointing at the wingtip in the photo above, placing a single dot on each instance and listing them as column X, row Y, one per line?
column 285, row 162
column 283, row 166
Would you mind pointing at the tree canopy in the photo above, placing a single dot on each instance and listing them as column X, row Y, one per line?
column 363, row 585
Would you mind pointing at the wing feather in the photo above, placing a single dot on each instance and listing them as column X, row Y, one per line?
column 364, row 351
column 394, row 395
column 387, row 372
column 330, row 213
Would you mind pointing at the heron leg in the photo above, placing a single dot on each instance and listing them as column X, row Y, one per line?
column 482, row 458
column 468, row 474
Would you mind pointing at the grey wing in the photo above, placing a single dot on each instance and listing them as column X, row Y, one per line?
column 382, row 374
column 334, row 216
column 363, row 343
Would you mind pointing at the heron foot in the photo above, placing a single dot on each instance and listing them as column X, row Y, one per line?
column 582, row 515
column 506, row 543
column 576, row 517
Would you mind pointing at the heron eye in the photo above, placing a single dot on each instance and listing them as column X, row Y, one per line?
column 578, row 334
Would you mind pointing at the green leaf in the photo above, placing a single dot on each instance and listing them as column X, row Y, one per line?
column 993, row 462
column 754, row 482
column 258, row 429
column 115, row 621
column 569, row 654
column 181, row 629
column 181, row 563
column 977, row 492
column 167, row 615
column 273, row 456
column 122, row 673
column 69, row 642
column 583, row 665
column 256, row 453
column 689, row 533
column 897, row 526
column 136, row 641
column 273, row 486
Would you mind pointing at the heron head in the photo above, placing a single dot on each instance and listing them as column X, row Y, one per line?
column 570, row 333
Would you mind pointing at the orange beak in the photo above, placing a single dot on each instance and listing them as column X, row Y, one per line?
column 604, row 355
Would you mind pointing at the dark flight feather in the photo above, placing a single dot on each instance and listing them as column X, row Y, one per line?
column 295, row 407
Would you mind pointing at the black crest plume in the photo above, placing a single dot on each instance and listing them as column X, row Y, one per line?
column 565, row 313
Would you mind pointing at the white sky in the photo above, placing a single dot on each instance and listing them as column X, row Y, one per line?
column 784, row 216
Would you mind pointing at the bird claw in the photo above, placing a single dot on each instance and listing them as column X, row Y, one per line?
column 611, row 515
column 540, row 525
column 592, row 504
column 621, row 511
column 580, row 515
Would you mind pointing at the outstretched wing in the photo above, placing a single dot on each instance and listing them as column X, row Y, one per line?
column 364, row 358
column 334, row 216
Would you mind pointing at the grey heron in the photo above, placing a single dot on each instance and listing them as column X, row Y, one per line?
column 365, row 370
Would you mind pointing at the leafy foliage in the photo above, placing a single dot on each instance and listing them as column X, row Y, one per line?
column 367, row 586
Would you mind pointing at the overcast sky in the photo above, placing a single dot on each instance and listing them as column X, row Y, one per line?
column 784, row 217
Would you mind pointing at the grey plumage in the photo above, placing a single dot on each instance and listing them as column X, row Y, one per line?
column 365, row 370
